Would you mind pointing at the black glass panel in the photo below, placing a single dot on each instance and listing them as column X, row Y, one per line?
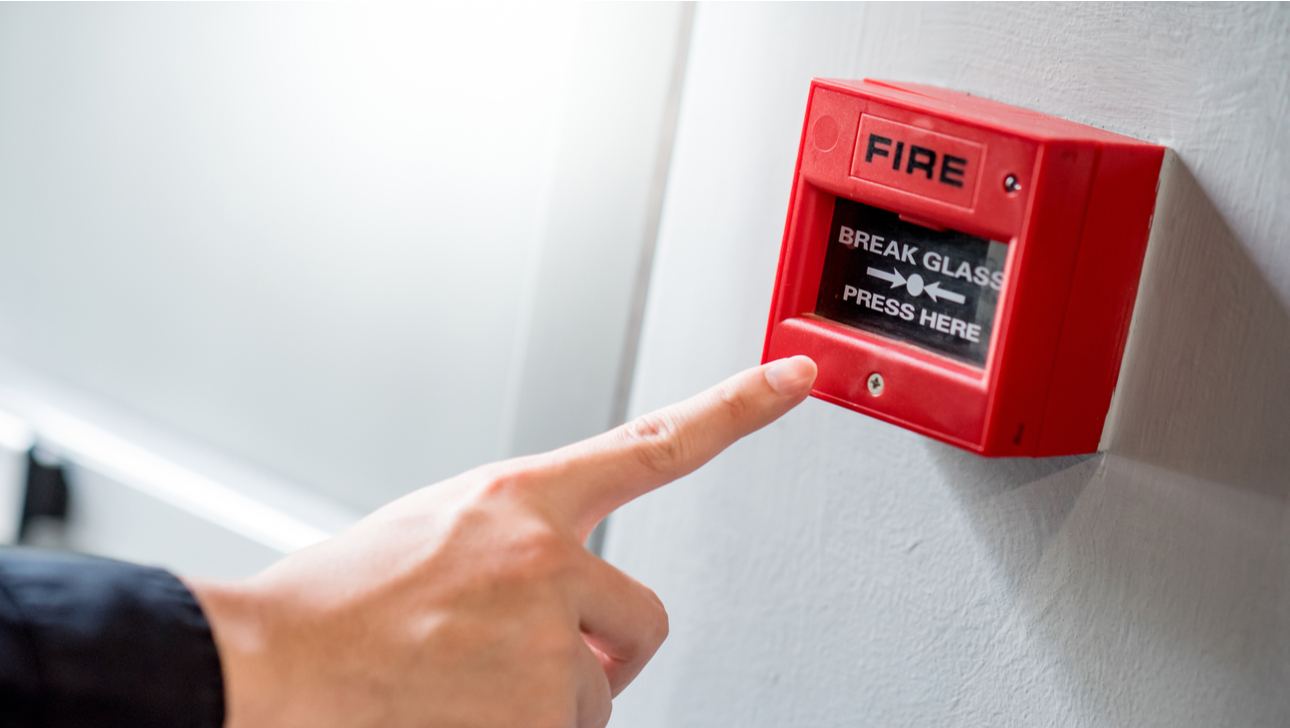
column 934, row 289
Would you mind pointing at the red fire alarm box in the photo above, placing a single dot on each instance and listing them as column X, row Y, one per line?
column 961, row 267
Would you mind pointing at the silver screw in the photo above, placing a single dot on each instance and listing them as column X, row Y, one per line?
column 875, row 384
column 1011, row 184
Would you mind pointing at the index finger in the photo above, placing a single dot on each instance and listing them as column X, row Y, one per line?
column 589, row 479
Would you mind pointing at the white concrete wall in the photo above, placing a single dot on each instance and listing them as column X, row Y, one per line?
column 15, row 441
column 836, row 571
column 331, row 240
column 601, row 223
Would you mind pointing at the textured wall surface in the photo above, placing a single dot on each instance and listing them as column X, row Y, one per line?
column 836, row 571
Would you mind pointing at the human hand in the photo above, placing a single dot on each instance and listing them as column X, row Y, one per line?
column 473, row 602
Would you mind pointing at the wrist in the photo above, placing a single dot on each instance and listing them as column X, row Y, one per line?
column 233, row 611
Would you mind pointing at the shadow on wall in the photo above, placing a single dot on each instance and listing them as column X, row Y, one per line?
column 1205, row 385
column 1016, row 506
column 1150, row 580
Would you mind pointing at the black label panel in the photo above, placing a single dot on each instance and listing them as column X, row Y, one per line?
column 934, row 289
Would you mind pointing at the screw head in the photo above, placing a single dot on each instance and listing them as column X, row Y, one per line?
column 1011, row 183
column 875, row 384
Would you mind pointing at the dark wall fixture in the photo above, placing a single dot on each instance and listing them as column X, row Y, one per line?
column 45, row 503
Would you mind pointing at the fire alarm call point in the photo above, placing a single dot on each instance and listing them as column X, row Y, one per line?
column 961, row 267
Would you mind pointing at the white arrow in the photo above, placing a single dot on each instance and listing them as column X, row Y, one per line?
column 894, row 277
column 935, row 290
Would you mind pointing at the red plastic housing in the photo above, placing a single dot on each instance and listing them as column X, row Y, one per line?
column 1075, row 223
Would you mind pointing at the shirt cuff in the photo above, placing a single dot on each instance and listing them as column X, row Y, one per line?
column 88, row 642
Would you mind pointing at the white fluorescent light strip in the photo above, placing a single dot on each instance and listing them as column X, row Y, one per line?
column 15, row 434
column 177, row 486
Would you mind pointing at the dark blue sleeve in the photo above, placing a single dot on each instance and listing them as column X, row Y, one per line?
column 92, row 642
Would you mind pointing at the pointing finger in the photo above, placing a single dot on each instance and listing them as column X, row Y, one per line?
column 589, row 479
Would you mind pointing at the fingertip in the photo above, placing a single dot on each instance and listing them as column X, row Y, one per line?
column 791, row 377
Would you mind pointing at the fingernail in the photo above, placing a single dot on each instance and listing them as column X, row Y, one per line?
column 791, row 376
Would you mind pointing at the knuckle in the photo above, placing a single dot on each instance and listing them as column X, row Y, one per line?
column 541, row 554
column 659, row 625
column 734, row 404
column 504, row 479
column 657, row 442
column 664, row 623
